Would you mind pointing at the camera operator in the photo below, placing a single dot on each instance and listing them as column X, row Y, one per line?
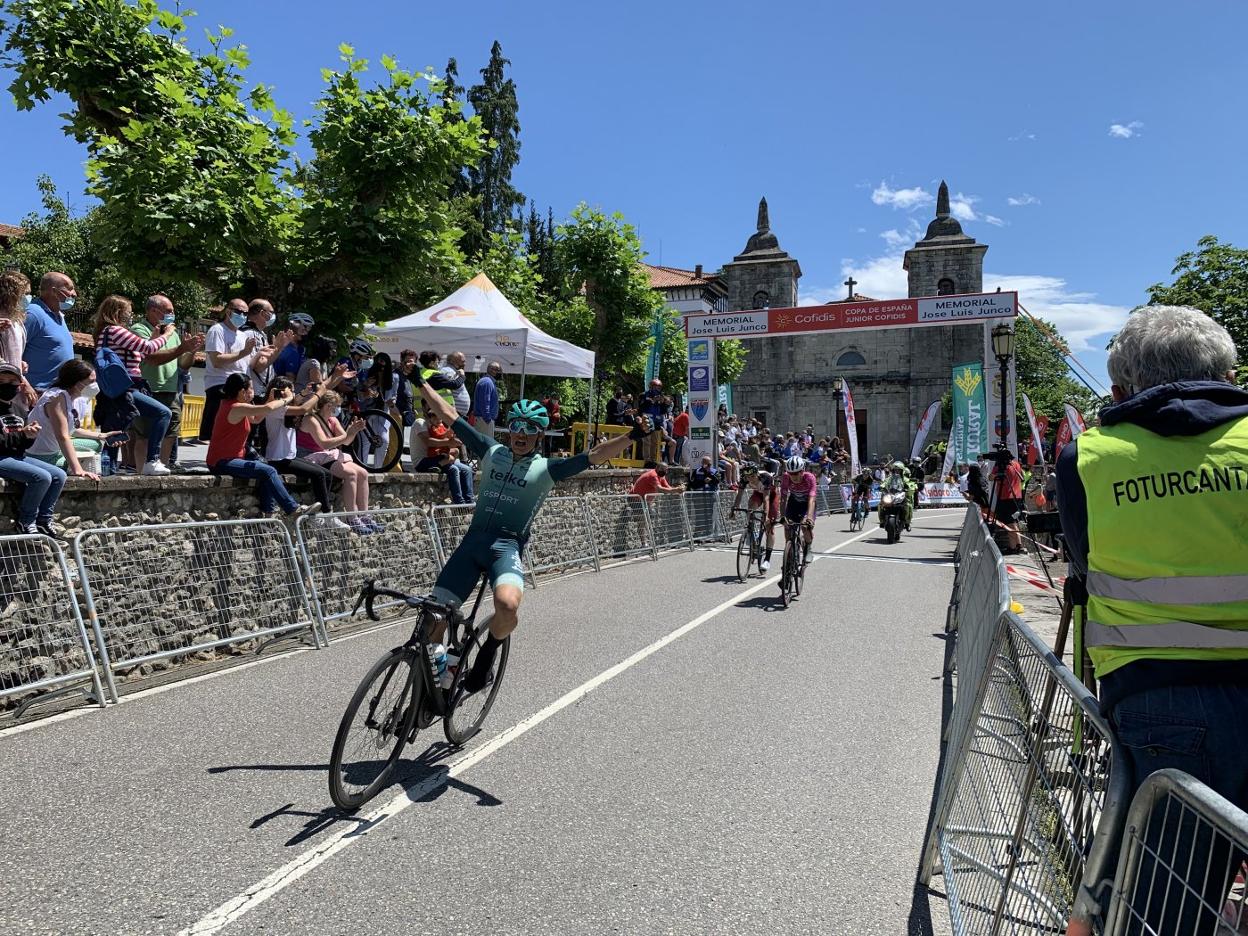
column 1007, row 495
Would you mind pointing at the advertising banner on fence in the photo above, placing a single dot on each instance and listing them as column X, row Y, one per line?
column 925, row 426
column 970, row 422
column 932, row 494
column 847, row 316
column 851, row 429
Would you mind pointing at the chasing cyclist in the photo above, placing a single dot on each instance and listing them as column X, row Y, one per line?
column 862, row 491
column 515, row 479
column 764, row 496
column 797, row 491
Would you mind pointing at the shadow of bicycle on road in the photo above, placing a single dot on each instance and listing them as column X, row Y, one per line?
column 425, row 779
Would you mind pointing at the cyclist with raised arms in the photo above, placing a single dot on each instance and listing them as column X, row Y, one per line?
column 515, row 479
column 862, row 489
column 764, row 496
column 797, row 492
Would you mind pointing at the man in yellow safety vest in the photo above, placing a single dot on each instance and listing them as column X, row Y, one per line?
column 1154, row 508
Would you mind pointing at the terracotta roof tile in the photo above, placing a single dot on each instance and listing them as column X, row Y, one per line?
column 857, row 297
column 665, row 277
column 10, row 230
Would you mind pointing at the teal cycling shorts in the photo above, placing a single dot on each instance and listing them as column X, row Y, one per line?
column 479, row 551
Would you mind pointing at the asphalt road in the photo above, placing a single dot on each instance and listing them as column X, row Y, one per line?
column 726, row 766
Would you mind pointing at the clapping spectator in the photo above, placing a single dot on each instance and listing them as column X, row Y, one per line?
column 315, row 364
column 160, row 368
column 290, row 358
column 59, row 414
column 49, row 343
column 453, row 370
column 42, row 482
column 280, row 446
column 112, row 320
column 228, row 349
column 329, row 436
column 227, row 448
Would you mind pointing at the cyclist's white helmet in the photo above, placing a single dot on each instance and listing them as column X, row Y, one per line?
column 795, row 463
column 302, row 318
column 362, row 348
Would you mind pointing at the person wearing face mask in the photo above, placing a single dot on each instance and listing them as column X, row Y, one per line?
column 41, row 482
column 228, row 349
column 15, row 299
column 60, row 413
column 49, row 343
column 160, row 368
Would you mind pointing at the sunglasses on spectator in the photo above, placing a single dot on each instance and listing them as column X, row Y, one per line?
column 522, row 427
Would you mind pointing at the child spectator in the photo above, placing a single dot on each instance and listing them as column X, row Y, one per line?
column 458, row 477
column 328, row 436
column 235, row 417
column 60, row 413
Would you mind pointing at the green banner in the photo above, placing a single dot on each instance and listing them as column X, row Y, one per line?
column 970, row 423
column 725, row 396
column 655, row 359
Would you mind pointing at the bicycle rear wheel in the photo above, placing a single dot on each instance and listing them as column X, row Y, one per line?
column 380, row 446
column 374, row 729
column 745, row 553
column 466, row 714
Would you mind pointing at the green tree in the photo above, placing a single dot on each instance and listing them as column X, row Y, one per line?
column 1214, row 279
column 494, row 103
column 1043, row 375
column 197, row 177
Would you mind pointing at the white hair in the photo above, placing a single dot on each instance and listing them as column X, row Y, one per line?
column 1163, row 344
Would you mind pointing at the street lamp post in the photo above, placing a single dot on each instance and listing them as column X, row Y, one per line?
column 1003, row 348
column 838, row 388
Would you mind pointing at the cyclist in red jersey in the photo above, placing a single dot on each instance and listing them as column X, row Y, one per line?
column 797, row 492
column 764, row 496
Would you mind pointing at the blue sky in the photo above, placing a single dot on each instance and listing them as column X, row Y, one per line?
column 1088, row 144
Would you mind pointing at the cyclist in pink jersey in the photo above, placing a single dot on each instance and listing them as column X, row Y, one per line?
column 797, row 496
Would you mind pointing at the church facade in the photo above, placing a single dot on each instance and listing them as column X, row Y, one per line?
column 893, row 374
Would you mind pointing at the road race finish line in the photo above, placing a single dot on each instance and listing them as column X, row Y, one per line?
column 230, row 911
column 888, row 313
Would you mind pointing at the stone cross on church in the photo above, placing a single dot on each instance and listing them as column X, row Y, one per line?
column 894, row 375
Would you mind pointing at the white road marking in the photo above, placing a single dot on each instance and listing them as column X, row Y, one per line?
column 292, row 871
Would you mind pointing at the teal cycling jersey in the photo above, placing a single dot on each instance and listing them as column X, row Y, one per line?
column 511, row 490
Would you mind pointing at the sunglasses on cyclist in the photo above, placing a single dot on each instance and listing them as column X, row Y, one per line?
column 523, row 427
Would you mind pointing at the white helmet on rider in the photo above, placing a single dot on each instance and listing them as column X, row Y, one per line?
column 362, row 348
column 795, row 463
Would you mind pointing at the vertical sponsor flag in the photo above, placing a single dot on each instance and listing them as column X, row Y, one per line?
column 947, row 468
column 655, row 359
column 1063, row 436
column 851, row 429
column 969, row 416
column 1075, row 418
column 925, row 426
column 1036, row 436
column 1042, row 423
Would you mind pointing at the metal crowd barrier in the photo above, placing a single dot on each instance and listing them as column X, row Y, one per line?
column 702, row 515
column 981, row 595
column 668, row 522
column 733, row 523
column 828, row 500
column 401, row 553
column 450, row 523
column 621, row 526
column 1031, row 797
column 172, row 589
column 563, row 537
column 43, row 642
column 1181, row 871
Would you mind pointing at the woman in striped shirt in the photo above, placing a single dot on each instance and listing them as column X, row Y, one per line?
column 112, row 321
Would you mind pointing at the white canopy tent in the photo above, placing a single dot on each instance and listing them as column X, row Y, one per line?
column 479, row 321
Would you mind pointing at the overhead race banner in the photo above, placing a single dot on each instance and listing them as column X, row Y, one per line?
column 925, row 426
column 969, row 419
column 851, row 429
column 850, row 316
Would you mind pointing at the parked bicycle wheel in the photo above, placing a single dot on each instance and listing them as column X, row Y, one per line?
column 374, row 729
column 380, row 446
column 466, row 714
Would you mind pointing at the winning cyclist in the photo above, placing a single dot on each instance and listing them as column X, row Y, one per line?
column 797, row 491
column 515, row 479
column 862, row 490
column 764, row 496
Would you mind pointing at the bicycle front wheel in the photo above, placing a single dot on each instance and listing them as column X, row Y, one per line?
column 745, row 553
column 374, row 729
column 466, row 713
column 380, row 446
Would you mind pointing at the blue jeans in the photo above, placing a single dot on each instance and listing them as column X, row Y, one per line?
column 1199, row 729
column 157, row 416
column 269, row 485
column 43, row 483
column 459, row 480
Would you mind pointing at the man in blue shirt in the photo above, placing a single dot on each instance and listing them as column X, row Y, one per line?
column 485, row 400
column 48, row 341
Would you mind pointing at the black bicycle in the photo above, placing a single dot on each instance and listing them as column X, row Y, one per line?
column 793, row 568
column 858, row 513
column 404, row 692
column 750, row 546
column 379, row 446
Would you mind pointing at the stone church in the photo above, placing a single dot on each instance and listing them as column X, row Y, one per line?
column 893, row 374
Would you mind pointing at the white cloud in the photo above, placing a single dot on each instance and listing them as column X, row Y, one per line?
column 907, row 198
column 994, row 220
column 879, row 278
column 1018, row 201
column 960, row 207
column 896, row 239
column 1125, row 131
column 1085, row 323
column 1022, row 135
